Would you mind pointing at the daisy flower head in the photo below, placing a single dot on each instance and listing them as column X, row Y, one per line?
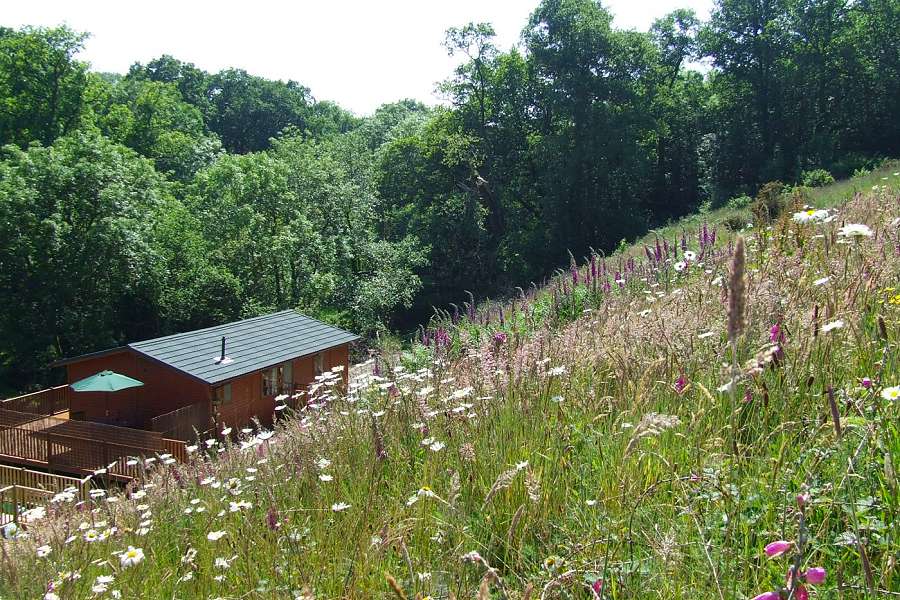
column 131, row 557
column 91, row 535
column 810, row 215
column 838, row 324
column 215, row 536
column 339, row 506
column 855, row 231
column 891, row 393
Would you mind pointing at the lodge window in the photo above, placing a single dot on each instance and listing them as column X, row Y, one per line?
column 318, row 364
column 270, row 382
column 278, row 379
column 223, row 394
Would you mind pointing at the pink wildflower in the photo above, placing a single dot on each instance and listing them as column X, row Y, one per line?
column 776, row 336
column 778, row 548
column 800, row 593
column 597, row 587
column 680, row 383
column 815, row 575
column 866, row 383
column 768, row 596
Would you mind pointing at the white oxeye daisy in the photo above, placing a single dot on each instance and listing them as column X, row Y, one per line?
column 43, row 551
column 339, row 506
column 891, row 393
column 855, row 230
column 215, row 536
column 91, row 535
column 680, row 266
column 690, row 255
column 131, row 557
column 832, row 326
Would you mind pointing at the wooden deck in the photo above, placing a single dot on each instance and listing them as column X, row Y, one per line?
column 22, row 489
column 54, row 442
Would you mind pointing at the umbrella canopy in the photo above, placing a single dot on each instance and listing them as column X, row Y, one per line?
column 105, row 381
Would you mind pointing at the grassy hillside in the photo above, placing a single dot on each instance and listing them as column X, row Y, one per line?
column 601, row 437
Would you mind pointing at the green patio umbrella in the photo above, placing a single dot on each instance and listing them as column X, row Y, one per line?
column 105, row 381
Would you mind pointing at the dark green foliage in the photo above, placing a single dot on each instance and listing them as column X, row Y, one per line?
column 218, row 195
column 41, row 85
column 77, row 270
column 817, row 178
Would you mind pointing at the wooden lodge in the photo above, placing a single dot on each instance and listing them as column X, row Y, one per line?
column 193, row 383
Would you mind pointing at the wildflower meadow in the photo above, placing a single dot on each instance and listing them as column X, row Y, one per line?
column 712, row 412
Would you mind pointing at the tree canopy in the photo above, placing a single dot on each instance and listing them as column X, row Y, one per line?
column 169, row 198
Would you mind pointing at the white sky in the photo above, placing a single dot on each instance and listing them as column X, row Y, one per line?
column 359, row 53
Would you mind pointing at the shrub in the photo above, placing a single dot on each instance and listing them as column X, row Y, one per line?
column 769, row 202
column 861, row 172
column 739, row 202
column 817, row 178
column 735, row 222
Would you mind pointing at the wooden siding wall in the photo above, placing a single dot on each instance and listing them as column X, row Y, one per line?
column 246, row 402
column 164, row 390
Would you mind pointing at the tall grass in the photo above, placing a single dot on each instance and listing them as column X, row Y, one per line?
column 580, row 442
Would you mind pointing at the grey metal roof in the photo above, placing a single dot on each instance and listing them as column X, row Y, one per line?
column 252, row 345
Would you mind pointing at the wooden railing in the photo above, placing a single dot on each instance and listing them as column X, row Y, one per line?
column 21, row 476
column 185, row 423
column 44, row 402
column 17, row 498
column 82, row 447
column 20, row 442
column 177, row 448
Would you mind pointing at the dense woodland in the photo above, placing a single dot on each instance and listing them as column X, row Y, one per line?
column 169, row 198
